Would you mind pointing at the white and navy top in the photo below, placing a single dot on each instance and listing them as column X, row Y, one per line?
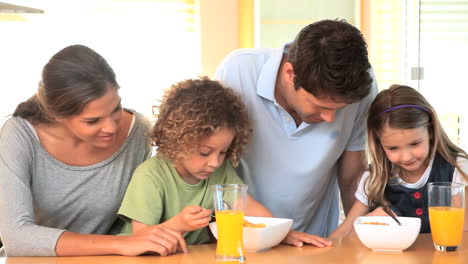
column 411, row 199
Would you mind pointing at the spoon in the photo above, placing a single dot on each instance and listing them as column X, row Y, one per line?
column 224, row 205
column 389, row 211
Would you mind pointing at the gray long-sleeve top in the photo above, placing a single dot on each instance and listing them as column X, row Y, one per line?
column 41, row 197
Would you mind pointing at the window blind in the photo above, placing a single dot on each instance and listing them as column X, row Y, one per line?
column 388, row 41
column 443, row 53
column 424, row 44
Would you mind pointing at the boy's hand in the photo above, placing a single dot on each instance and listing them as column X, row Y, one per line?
column 193, row 217
column 298, row 239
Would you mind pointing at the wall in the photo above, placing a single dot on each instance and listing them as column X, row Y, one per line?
column 280, row 20
column 219, row 32
column 276, row 22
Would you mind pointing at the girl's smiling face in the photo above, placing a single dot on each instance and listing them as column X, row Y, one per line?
column 209, row 156
column 407, row 148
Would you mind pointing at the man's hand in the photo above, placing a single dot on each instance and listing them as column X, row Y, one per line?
column 298, row 239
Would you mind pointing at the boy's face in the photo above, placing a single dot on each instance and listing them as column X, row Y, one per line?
column 209, row 156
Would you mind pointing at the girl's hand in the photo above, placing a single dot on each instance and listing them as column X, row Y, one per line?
column 378, row 212
column 193, row 217
column 298, row 239
column 153, row 239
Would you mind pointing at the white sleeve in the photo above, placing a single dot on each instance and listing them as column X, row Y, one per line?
column 457, row 176
column 227, row 71
column 235, row 69
column 360, row 194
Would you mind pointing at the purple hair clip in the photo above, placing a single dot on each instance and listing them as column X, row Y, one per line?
column 402, row 106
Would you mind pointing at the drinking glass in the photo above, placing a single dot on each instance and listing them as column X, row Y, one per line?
column 446, row 214
column 229, row 204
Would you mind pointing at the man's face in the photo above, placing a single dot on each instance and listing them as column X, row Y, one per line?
column 301, row 104
column 311, row 109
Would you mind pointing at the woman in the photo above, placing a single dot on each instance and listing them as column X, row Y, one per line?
column 66, row 158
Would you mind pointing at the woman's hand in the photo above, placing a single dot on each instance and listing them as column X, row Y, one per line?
column 298, row 239
column 153, row 239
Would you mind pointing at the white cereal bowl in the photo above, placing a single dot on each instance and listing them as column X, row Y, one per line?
column 390, row 237
column 260, row 239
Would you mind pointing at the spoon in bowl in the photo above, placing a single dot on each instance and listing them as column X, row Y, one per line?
column 389, row 211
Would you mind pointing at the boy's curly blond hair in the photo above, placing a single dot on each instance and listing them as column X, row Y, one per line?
column 194, row 109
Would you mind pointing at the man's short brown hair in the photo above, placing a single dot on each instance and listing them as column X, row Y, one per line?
column 330, row 59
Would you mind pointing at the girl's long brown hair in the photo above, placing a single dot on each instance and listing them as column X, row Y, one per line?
column 381, row 170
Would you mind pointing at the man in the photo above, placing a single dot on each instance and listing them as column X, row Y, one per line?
column 308, row 102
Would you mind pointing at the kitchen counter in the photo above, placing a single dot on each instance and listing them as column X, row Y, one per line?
column 347, row 250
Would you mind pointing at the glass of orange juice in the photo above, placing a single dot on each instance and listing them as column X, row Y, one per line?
column 446, row 214
column 229, row 204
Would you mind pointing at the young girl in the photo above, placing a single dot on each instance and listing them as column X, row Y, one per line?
column 201, row 131
column 408, row 149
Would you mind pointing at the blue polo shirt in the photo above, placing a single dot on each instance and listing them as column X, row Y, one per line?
column 291, row 170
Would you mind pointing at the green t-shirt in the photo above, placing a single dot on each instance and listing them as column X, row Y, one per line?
column 157, row 193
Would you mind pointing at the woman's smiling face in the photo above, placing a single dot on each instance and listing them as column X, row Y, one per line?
column 98, row 122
